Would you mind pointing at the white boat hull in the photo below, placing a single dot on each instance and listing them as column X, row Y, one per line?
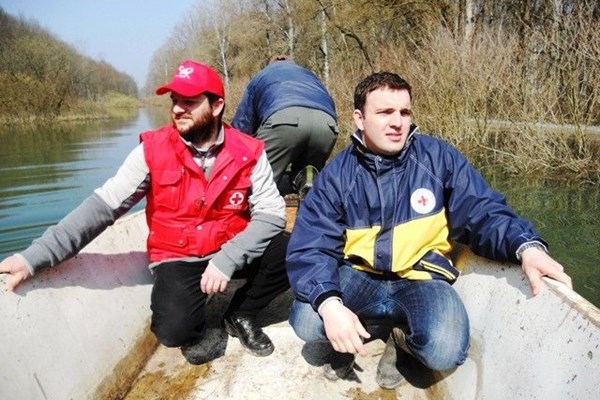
column 81, row 331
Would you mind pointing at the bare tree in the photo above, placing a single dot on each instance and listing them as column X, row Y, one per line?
column 324, row 48
column 290, row 28
column 469, row 21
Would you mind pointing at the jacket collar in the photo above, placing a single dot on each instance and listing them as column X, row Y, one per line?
column 371, row 158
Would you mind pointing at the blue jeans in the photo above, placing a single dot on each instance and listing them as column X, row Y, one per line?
column 433, row 315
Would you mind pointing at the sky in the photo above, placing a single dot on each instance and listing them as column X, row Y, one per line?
column 124, row 33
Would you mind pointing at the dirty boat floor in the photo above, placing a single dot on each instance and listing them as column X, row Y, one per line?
column 293, row 371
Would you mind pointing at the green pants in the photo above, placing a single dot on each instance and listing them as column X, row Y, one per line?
column 297, row 137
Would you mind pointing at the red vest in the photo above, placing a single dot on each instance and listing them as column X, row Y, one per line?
column 186, row 214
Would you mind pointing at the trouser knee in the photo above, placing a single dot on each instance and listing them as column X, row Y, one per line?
column 306, row 322
column 174, row 333
column 176, row 303
column 441, row 355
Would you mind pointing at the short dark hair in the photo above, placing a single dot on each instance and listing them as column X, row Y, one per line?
column 376, row 81
column 212, row 98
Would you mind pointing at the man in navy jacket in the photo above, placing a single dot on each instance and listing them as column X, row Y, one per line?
column 373, row 238
column 289, row 108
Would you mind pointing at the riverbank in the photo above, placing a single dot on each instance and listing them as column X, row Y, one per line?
column 592, row 132
column 111, row 106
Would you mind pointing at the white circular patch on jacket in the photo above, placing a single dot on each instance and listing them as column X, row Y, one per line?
column 422, row 201
column 236, row 199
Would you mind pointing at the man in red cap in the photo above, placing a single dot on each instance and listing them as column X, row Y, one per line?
column 213, row 212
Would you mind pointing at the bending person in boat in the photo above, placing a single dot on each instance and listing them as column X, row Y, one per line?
column 213, row 212
column 370, row 249
column 290, row 109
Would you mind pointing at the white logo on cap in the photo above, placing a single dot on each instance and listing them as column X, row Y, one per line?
column 184, row 72
column 422, row 201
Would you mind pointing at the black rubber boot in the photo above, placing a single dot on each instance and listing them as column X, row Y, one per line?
column 303, row 181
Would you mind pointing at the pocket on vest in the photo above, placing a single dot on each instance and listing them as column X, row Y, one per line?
column 168, row 194
column 167, row 237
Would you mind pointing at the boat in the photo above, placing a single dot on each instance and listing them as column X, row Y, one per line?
column 81, row 331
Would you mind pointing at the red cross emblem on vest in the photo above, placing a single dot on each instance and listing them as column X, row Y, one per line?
column 236, row 199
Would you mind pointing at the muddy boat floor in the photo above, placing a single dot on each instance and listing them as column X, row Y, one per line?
column 293, row 371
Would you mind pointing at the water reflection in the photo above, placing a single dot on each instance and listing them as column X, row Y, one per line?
column 568, row 217
column 48, row 171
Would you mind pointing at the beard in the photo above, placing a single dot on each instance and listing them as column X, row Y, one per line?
column 201, row 131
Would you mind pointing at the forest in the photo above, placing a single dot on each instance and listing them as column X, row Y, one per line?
column 490, row 76
column 43, row 77
column 487, row 75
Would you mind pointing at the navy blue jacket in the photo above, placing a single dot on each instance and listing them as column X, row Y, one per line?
column 398, row 215
column 280, row 85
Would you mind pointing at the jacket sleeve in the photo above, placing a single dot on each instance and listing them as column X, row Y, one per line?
column 480, row 216
column 315, row 250
column 245, row 118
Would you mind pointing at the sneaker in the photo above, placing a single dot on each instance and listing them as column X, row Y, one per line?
column 388, row 375
column 339, row 366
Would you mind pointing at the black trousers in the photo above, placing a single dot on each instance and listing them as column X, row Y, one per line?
column 177, row 303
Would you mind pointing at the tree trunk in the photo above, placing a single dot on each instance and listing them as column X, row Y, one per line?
column 290, row 28
column 469, row 21
column 324, row 48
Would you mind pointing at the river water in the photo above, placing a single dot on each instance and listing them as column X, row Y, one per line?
column 47, row 172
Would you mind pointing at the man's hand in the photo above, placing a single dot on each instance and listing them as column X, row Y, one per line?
column 213, row 281
column 343, row 329
column 17, row 271
column 537, row 263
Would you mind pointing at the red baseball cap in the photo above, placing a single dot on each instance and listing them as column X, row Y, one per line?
column 192, row 79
